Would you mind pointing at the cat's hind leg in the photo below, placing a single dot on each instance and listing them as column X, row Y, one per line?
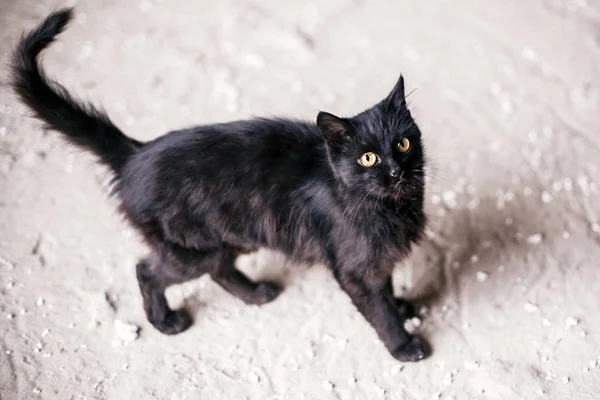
column 238, row 284
column 165, row 267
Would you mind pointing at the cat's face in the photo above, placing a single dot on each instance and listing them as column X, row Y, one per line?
column 378, row 152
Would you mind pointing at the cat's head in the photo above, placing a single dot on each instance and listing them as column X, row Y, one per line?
column 378, row 152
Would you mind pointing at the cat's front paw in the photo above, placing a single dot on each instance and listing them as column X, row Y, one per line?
column 175, row 322
column 416, row 349
column 265, row 292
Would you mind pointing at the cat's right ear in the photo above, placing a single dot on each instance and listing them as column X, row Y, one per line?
column 335, row 129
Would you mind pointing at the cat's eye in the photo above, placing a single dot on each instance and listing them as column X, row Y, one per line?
column 368, row 159
column 403, row 145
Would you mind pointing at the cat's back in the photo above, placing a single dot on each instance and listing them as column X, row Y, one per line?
column 220, row 145
column 272, row 154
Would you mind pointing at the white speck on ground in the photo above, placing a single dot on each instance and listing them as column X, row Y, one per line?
column 546, row 197
column 471, row 365
column 571, row 322
column 396, row 369
column 412, row 324
column 6, row 263
column 126, row 331
column 253, row 377
column 535, row 238
column 482, row 276
column 449, row 199
column 530, row 307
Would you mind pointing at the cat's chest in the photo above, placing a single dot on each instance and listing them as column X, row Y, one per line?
column 392, row 233
column 386, row 236
column 395, row 224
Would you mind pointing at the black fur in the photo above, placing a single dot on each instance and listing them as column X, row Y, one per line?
column 202, row 196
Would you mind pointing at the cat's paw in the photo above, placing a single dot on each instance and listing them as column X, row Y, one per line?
column 175, row 322
column 415, row 350
column 265, row 292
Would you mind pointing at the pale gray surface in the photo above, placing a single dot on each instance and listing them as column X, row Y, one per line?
column 508, row 99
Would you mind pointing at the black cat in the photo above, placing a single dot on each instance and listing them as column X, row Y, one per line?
column 346, row 192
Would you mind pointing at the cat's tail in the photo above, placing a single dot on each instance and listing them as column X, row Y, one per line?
column 82, row 124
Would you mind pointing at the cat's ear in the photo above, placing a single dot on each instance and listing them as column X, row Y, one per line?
column 396, row 100
column 335, row 129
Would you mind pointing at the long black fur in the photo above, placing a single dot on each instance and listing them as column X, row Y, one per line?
column 202, row 196
column 82, row 124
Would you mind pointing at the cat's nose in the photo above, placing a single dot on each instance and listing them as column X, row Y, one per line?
column 395, row 176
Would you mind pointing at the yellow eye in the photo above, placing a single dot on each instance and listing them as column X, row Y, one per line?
column 403, row 145
column 368, row 159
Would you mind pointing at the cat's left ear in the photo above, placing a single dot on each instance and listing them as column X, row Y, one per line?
column 396, row 100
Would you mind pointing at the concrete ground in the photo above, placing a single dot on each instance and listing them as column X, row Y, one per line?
column 508, row 97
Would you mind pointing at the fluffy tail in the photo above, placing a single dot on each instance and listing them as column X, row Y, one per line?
column 81, row 123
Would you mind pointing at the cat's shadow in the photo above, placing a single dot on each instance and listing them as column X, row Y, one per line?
column 469, row 245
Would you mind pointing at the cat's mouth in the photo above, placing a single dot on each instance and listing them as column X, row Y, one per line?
column 397, row 189
column 400, row 189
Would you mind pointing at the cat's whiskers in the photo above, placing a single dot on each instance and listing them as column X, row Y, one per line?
column 437, row 173
column 378, row 196
column 419, row 179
